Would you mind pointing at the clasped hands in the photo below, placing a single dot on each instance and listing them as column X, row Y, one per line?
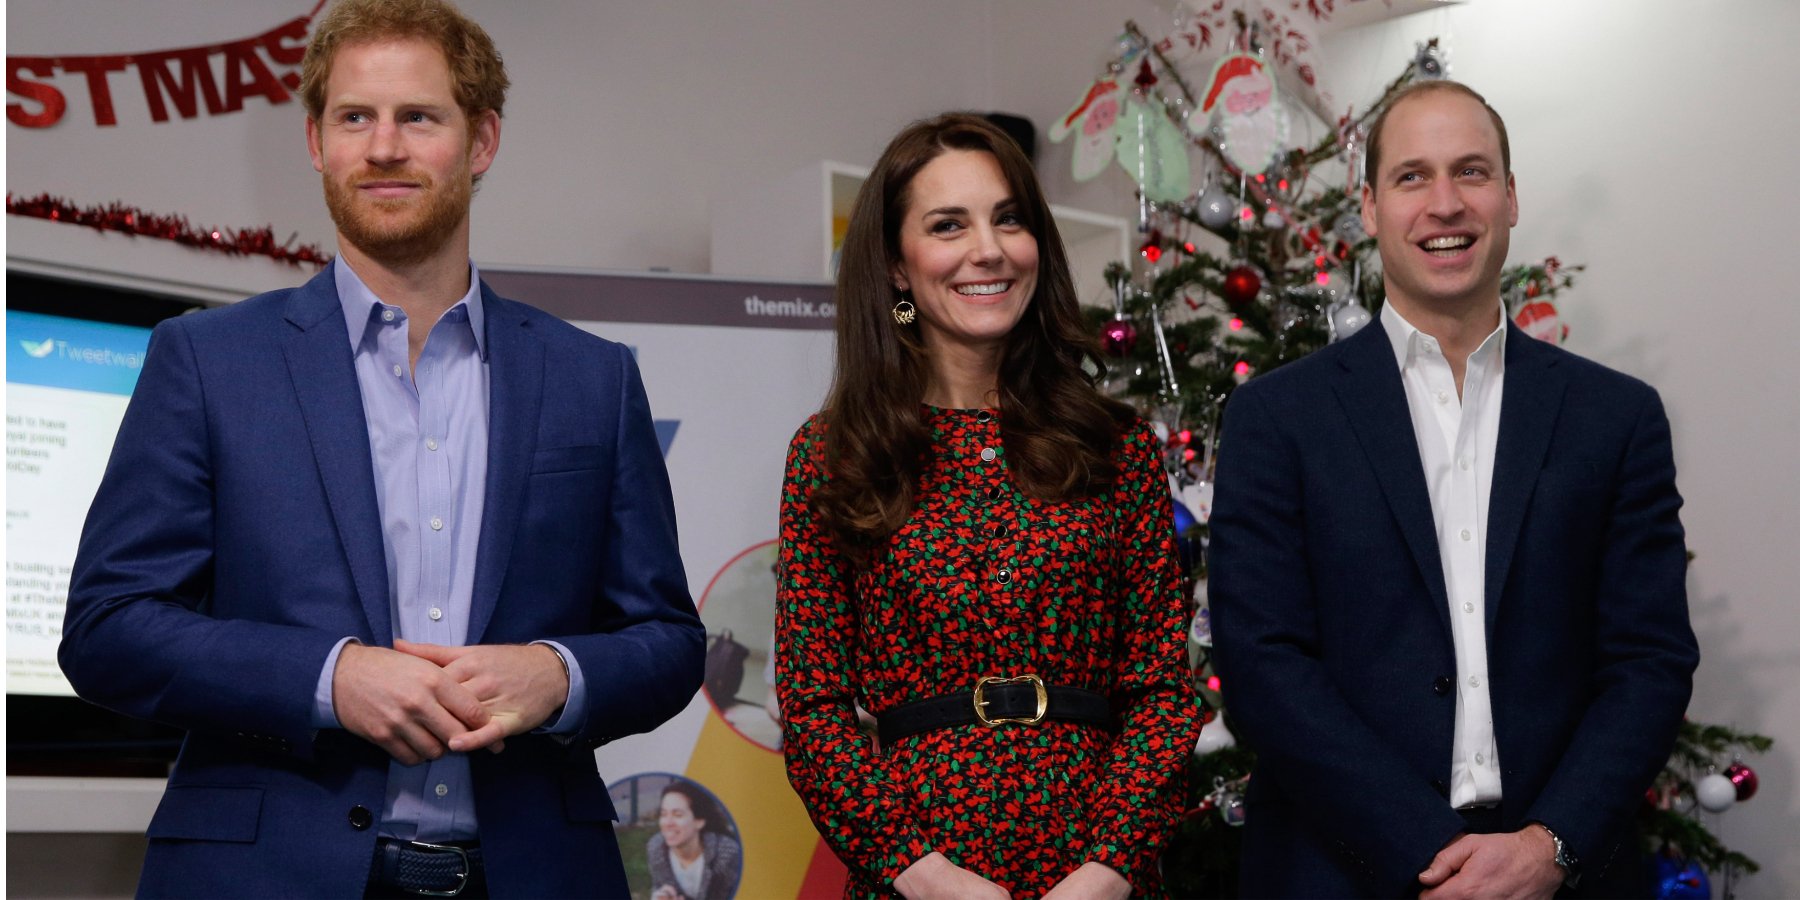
column 420, row 701
column 1517, row 866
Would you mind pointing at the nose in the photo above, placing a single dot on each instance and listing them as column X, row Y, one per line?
column 1446, row 199
column 986, row 249
column 385, row 144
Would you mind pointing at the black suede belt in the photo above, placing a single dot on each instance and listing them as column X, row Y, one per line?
column 1025, row 700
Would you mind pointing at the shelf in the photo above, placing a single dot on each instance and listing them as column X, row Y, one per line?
column 40, row 805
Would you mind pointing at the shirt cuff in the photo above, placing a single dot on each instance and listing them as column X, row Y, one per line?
column 574, row 709
column 324, row 711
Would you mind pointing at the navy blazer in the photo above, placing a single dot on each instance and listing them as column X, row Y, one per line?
column 235, row 539
column 1332, row 624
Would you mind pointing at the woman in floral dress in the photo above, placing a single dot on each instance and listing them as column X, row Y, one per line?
column 976, row 547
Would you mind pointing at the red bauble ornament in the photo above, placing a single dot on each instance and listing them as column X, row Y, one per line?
column 1151, row 252
column 1117, row 338
column 1241, row 286
column 1743, row 778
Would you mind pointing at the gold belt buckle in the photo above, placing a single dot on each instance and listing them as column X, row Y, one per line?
column 1043, row 701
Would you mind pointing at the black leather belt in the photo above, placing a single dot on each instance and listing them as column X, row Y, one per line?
column 429, row 870
column 1025, row 700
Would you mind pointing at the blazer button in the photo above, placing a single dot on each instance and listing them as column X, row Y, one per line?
column 360, row 818
column 1437, row 784
column 1441, row 685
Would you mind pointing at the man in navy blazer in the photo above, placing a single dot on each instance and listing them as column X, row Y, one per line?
column 1447, row 569
column 397, row 552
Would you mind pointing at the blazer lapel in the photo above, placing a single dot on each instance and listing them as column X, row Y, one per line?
column 1375, row 400
column 324, row 377
column 1529, row 406
column 515, row 396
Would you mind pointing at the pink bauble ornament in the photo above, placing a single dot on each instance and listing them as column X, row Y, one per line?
column 1118, row 337
column 1716, row 793
column 1743, row 778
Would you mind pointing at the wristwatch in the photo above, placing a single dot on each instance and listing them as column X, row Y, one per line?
column 1564, row 858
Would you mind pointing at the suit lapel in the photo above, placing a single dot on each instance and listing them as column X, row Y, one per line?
column 324, row 378
column 1375, row 401
column 515, row 397
column 1529, row 406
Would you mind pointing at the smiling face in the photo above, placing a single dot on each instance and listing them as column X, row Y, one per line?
column 396, row 153
column 676, row 820
column 1442, row 206
column 965, row 254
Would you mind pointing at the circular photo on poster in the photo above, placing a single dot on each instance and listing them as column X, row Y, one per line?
column 678, row 842
column 738, row 608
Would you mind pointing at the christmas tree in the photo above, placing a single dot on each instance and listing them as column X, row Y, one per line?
column 1268, row 261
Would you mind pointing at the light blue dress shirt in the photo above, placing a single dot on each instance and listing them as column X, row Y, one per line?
column 428, row 435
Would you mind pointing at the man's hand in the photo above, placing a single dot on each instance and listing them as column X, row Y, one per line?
column 407, row 706
column 1514, row 866
column 935, row 876
column 1093, row 881
column 518, row 685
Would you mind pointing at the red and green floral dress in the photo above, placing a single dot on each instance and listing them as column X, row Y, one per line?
column 983, row 580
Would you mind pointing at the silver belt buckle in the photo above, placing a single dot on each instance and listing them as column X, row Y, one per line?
column 462, row 878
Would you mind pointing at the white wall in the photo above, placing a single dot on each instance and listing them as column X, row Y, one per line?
column 1651, row 142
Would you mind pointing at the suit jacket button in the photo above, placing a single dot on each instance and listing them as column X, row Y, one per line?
column 1441, row 685
column 1437, row 784
column 360, row 818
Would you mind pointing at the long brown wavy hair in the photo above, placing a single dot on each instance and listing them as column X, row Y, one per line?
column 1059, row 430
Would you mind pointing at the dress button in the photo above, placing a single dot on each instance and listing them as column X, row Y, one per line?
column 1468, row 607
column 1443, row 396
column 435, row 614
column 1463, row 463
column 997, row 532
column 984, row 417
column 437, row 524
column 987, row 454
column 1004, row 576
column 1480, row 760
column 1474, row 681
column 397, row 370
column 1466, row 535
column 431, row 443
column 995, row 492
column 1441, row 685
column 361, row 818
column 387, row 315
column 443, row 789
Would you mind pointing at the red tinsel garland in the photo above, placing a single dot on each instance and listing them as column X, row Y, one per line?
column 131, row 220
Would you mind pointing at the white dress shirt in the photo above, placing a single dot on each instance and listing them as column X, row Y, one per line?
column 1457, row 435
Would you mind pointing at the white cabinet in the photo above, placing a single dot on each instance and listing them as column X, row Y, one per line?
column 790, row 229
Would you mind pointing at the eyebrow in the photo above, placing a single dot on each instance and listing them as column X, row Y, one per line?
column 1007, row 205
column 1463, row 160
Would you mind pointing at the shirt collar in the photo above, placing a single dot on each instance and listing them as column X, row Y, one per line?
column 1405, row 338
column 359, row 305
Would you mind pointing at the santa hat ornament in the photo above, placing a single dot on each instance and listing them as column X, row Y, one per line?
column 1540, row 319
column 1245, row 109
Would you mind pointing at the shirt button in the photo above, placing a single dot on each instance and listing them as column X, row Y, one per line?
column 987, row 454
column 1474, row 681
column 397, row 370
column 1463, row 464
column 444, row 789
column 1443, row 396
column 431, row 443
column 437, row 524
column 387, row 315
column 1465, row 534
column 1480, row 760
column 1468, row 607
column 435, row 614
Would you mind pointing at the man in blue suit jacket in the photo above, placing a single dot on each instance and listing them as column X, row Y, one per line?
column 1447, row 569
column 397, row 552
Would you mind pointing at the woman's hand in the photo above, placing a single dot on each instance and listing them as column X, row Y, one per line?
column 1092, row 881
column 935, row 876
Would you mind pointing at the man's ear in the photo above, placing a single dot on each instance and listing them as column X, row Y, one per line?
column 1368, row 209
column 314, row 144
column 484, row 141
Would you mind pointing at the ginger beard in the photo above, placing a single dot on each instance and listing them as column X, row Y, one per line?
column 399, row 231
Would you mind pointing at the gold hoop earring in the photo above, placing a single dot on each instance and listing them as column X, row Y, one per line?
column 904, row 311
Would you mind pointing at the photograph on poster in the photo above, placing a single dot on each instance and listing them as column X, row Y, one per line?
column 677, row 840
column 738, row 608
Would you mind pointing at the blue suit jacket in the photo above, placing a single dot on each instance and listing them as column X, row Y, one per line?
column 1332, row 625
column 235, row 539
